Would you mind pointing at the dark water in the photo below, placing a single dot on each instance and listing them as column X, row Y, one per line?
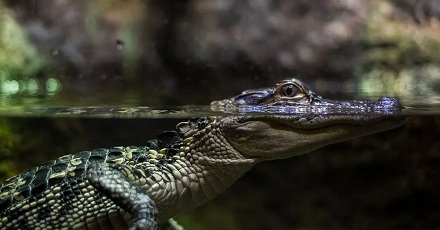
column 389, row 180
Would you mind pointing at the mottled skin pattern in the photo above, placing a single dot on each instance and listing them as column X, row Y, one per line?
column 142, row 187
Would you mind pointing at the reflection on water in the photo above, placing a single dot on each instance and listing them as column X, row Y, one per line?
column 131, row 112
column 107, row 111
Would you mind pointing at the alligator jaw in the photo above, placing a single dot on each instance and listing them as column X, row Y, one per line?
column 277, row 138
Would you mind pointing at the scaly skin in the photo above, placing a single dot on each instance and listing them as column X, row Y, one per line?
column 142, row 187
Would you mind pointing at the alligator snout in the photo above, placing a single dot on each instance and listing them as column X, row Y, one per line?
column 388, row 103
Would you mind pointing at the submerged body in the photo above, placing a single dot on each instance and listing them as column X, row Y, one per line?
column 142, row 187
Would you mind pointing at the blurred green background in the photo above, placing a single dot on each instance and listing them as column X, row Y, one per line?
column 167, row 53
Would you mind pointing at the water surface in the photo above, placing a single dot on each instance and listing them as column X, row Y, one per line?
column 130, row 112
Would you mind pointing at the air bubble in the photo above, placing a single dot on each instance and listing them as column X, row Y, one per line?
column 120, row 44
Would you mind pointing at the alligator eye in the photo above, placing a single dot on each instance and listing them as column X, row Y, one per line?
column 289, row 90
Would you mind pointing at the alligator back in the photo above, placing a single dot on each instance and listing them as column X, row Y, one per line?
column 59, row 192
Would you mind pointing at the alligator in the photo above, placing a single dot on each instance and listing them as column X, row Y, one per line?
column 143, row 187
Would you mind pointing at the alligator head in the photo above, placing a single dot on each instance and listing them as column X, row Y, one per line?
column 290, row 119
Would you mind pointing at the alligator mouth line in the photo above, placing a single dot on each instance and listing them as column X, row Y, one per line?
column 318, row 123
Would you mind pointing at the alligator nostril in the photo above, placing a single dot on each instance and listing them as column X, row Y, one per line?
column 388, row 102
